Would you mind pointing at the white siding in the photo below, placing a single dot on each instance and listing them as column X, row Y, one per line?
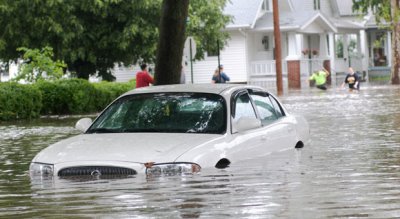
column 233, row 57
column 256, row 48
column 123, row 74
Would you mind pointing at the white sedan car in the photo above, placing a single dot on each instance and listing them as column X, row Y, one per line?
column 175, row 129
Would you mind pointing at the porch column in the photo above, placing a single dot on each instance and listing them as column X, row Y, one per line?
column 332, row 57
column 323, row 47
column 294, row 79
column 364, row 53
column 293, row 61
column 294, row 46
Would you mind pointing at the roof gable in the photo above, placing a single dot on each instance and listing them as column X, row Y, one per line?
column 318, row 23
column 248, row 14
column 308, row 22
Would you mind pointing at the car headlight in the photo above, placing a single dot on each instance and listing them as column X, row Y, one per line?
column 41, row 169
column 171, row 169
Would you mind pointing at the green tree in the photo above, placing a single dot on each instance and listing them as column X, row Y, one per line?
column 386, row 11
column 92, row 35
column 206, row 23
column 113, row 31
column 38, row 64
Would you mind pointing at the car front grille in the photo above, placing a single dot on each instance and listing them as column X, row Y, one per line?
column 96, row 171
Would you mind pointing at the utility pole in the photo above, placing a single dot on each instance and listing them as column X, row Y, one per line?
column 278, row 52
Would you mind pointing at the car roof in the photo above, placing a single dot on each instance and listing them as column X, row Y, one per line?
column 196, row 88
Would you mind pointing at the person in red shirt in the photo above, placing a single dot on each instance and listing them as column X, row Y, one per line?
column 143, row 78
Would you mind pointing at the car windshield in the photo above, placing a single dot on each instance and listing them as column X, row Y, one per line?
column 164, row 112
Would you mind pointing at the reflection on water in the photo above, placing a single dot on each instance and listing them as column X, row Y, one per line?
column 351, row 169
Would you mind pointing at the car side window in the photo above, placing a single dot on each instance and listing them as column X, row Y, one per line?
column 265, row 108
column 277, row 106
column 242, row 107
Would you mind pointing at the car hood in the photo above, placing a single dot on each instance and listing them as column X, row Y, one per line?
column 126, row 147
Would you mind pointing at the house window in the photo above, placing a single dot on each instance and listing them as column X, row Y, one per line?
column 352, row 47
column 317, row 4
column 267, row 5
column 339, row 45
column 379, row 54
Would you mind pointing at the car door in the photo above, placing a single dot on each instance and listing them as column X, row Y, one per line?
column 244, row 144
column 278, row 131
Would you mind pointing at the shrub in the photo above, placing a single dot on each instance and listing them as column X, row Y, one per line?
column 19, row 101
column 61, row 97
column 68, row 96
column 78, row 96
column 108, row 91
column 52, row 102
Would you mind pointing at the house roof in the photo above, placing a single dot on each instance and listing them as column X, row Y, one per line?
column 348, row 24
column 298, row 21
column 247, row 14
column 244, row 12
column 345, row 7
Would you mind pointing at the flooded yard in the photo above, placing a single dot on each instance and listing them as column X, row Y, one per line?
column 351, row 169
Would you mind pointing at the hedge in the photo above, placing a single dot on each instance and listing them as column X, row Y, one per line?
column 19, row 101
column 61, row 97
column 107, row 92
column 67, row 96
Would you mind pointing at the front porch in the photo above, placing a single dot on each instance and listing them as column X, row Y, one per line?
column 312, row 45
column 263, row 73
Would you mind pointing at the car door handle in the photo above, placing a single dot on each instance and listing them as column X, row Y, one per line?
column 264, row 137
column 290, row 129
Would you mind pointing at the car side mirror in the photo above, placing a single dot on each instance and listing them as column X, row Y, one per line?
column 247, row 123
column 83, row 124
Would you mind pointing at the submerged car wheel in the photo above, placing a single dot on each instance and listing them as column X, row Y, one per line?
column 223, row 163
column 299, row 145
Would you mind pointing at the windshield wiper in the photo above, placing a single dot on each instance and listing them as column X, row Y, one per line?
column 102, row 130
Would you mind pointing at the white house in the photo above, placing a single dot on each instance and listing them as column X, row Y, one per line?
column 336, row 37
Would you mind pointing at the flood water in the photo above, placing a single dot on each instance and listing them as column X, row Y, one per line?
column 351, row 169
